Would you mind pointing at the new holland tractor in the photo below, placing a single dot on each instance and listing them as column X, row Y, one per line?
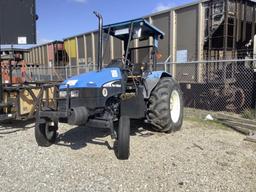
column 121, row 91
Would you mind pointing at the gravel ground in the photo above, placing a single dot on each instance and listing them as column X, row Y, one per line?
column 201, row 157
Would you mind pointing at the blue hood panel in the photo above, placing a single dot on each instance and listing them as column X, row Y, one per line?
column 93, row 79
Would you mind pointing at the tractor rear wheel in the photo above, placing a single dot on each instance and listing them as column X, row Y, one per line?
column 123, row 138
column 165, row 110
column 45, row 133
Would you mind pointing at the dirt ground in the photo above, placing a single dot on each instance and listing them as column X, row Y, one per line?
column 203, row 156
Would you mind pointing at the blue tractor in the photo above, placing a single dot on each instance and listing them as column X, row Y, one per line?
column 125, row 89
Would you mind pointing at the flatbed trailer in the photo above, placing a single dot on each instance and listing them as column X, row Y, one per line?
column 20, row 101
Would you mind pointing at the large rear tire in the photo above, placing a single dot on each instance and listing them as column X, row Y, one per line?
column 45, row 133
column 123, row 138
column 165, row 110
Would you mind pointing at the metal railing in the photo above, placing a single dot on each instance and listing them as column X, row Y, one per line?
column 56, row 73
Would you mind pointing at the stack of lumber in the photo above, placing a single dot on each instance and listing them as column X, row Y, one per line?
column 245, row 126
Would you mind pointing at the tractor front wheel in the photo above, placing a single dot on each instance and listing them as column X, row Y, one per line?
column 123, row 138
column 45, row 133
column 165, row 110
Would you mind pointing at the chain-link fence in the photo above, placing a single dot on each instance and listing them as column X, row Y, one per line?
column 228, row 85
column 217, row 85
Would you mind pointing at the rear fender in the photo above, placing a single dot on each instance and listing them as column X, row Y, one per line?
column 152, row 80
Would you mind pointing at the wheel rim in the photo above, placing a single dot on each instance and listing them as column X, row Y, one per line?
column 175, row 106
column 49, row 133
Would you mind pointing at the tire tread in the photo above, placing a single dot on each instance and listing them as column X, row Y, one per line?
column 158, row 108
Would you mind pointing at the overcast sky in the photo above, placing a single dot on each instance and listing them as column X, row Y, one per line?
column 64, row 18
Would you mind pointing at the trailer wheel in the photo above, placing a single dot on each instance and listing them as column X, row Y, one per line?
column 45, row 133
column 165, row 110
column 123, row 138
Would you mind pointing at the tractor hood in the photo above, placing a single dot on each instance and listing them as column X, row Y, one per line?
column 93, row 79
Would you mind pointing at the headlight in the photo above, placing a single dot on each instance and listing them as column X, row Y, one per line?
column 63, row 94
column 74, row 93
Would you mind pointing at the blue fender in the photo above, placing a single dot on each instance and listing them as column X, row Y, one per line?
column 152, row 80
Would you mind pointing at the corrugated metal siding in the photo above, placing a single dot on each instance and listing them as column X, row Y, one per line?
column 40, row 50
column 187, row 31
column 33, row 56
column 50, row 53
column 36, row 56
column 73, row 56
column 66, row 47
column 25, row 57
column 73, row 51
column 117, row 48
column 162, row 22
column 40, row 55
column 187, row 39
column 37, row 61
column 81, row 50
column 45, row 55
column 106, row 49
column 89, row 58
column 96, row 47
column 29, row 57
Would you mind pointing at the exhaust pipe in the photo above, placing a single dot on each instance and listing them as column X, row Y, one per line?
column 100, row 40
